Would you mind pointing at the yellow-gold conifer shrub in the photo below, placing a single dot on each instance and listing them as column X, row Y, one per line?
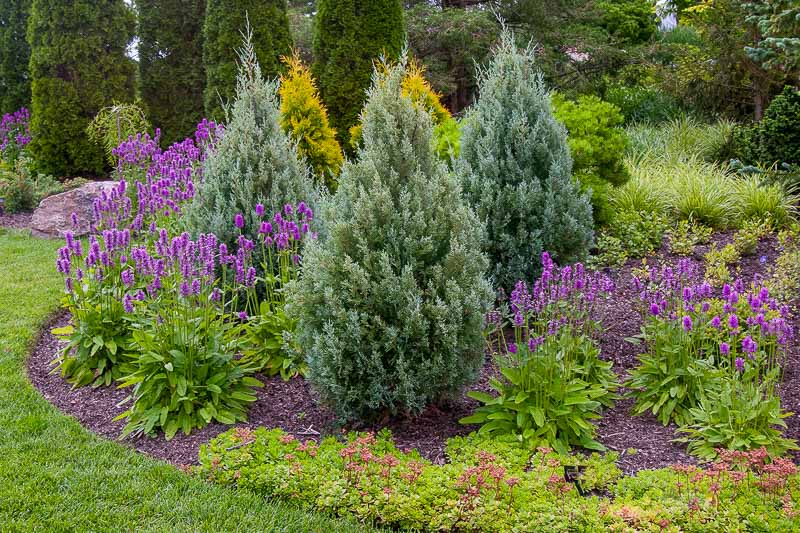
column 305, row 118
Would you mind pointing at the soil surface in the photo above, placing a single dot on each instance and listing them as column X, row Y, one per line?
column 642, row 441
column 15, row 220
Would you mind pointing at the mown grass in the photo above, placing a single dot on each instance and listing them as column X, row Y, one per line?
column 56, row 476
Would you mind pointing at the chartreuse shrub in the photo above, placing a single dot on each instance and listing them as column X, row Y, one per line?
column 489, row 485
column 349, row 36
column 517, row 170
column 446, row 131
column 255, row 162
column 711, row 363
column 267, row 25
column 305, row 119
column 552, row 381
column 390, row 305
column 78, row 66
column 597, row 144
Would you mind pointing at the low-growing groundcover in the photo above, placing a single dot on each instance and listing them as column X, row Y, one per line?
column 55, row 475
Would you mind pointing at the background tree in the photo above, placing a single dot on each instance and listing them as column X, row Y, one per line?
column 224, row 23
column 15, row 84
column 171, row 72
column 350, row 35
column 78, row 66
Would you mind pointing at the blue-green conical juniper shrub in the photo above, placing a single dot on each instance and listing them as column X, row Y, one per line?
column 225, row 21
column 255, row 162
column 15, row 53
column 171, row 72
column 78, row 66
column 390, row 305
column 516, row 169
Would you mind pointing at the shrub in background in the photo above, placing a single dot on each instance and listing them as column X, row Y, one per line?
column 305, row 119
column 776, row 139
column 171, row 71
column 254, row 163
column 78, row 66
column 225, row 21
column 15, row 53
column 349, row 35
column 114, row 124
column 628, row 21
column 597, row 144
column 517, row 170
column 390, row 306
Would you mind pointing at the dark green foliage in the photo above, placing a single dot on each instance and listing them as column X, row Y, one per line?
column 171, row 72
column 779, row 130
column 349, row 36
column 517, row 170
column 78, row 66
column 628, row 21
column 390, row 306
column 15, row 84
column 225, row 21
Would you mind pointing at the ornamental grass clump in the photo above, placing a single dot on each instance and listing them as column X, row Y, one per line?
column 552, row 380
column 712, row 361
column 254, row 163
column 517, row 170
column 390, row 305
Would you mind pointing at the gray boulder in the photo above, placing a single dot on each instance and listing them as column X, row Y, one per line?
column 53, row 217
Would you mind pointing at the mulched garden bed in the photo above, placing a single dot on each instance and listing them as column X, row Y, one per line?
column 292, row 406
column 15, row 220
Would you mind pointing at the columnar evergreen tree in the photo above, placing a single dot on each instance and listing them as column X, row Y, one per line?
column 349, row 36
column 517, row 170
column 255, row 162
column 390, row 305
column 15, row 84
column 78, row 66
column 171, row 73
column 224, row 23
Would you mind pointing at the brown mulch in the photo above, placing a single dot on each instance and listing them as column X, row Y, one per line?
column 642, row 441
column 15, row 220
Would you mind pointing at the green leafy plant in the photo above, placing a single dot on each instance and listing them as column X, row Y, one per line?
column 631, row 234
column 718, row 262
column 743, row 414
column 746, row 239
column 553, row 382
column 686, row 236
column 756, row 200
column 783, row 279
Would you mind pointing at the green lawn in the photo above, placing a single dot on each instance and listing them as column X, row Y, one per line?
column 55, row 475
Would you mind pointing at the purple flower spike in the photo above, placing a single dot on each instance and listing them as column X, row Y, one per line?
column 243, row 316
column 716, row 322
column 512, row 348
column 260, row 210
column 687, row 323
column 239, row 220
column 725, row 348
column 740, row 364
column 654, row 309
column 733, row 322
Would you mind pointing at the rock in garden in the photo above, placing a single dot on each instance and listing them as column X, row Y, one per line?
column 53, row 217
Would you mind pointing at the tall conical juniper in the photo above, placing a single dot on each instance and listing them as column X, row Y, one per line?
column 516, row 168
column 255, row 162
column 390, row 305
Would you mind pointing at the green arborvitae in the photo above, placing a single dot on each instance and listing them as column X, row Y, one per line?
column 78, row 66
column 171, row 74
column 390, row 305
column 517, row 170
column 255, row 162
column 224, row 24
column 349, row 36
column 15, row 84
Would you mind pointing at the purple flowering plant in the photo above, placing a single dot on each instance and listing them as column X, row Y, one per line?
column 268, row 341
column 700, row 341
column 552, row 380
column 14, row 136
